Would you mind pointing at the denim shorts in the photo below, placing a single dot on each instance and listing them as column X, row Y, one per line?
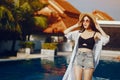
column 84, row 60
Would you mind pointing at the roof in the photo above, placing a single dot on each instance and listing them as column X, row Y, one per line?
column 100, row 15
column 61, row 15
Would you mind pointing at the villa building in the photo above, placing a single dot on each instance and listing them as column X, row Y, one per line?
column 61, row 15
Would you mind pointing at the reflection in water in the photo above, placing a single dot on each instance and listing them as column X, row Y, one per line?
column 56, row 67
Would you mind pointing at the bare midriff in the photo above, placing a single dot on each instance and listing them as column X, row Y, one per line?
column 84, row 50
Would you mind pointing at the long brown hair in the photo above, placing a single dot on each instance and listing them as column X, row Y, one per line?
column 92, row 21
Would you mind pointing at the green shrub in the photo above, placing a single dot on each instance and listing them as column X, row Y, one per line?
column 51, row 46
column 27, row 44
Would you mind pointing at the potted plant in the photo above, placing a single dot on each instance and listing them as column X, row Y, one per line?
column 28, row 46
column 49, row 49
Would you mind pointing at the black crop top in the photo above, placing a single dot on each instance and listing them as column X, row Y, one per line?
column 86, row 43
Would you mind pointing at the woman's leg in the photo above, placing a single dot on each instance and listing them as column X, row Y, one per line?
column 78, row 72
column 88, row 74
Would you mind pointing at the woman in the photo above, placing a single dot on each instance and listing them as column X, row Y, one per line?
column 86, row 52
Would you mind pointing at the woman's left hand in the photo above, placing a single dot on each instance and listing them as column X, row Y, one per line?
column 100, row 30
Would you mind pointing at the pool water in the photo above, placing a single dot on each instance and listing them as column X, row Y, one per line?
column 108, row 69
column 52, row 69
column 33, row 69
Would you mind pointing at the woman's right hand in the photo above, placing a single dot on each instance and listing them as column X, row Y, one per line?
column 71, row 28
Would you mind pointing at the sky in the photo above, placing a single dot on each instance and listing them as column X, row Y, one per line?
column 111, row 7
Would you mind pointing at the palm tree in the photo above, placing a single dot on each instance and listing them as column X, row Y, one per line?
column 7, row 21
column 17, row 18
column 23, row 14
column 27, row 19
column 9, row 28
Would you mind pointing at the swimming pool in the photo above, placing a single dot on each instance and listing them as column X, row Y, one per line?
column 52, row 69
column 108, row 69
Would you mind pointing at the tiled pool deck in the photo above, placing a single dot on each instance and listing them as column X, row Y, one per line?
column 105, row 55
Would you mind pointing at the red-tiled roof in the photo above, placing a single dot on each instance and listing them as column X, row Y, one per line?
column 63, row 21
column 57, row 27
column 100, row 15
column 69, row 21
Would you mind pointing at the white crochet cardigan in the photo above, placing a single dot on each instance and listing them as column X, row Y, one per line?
column 69, row 74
